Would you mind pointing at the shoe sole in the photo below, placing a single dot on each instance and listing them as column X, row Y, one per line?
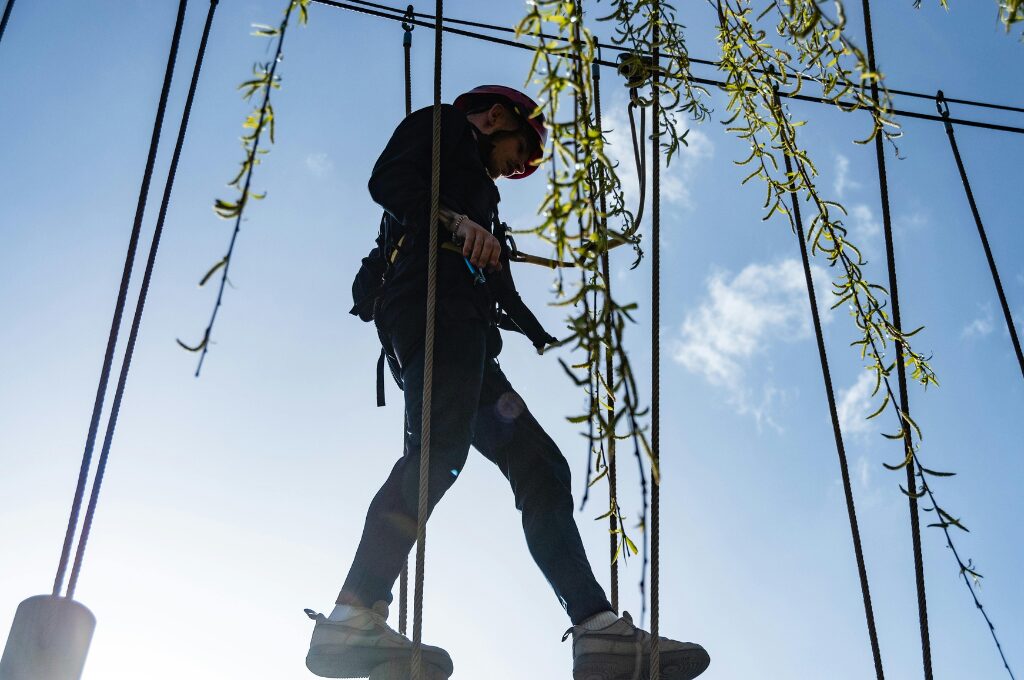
column 681, row 666
column 341, row 661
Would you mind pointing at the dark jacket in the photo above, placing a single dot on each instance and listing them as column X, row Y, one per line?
column 400, row 183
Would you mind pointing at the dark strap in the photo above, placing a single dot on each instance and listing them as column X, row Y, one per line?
column 380, row 377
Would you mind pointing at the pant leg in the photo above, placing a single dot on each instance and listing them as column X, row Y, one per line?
column 390, row 529
column 509, row 436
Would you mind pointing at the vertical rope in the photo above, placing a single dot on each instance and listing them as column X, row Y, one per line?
column 6, row 17
column 940, row 104
column 655, row 336
column 403, row 580
column 108, row 358
column 915, row 521
column 836, row 429
column 609, row 369
column 140, row 305
column 428, row 353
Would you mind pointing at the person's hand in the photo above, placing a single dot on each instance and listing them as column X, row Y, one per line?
column 481, row 246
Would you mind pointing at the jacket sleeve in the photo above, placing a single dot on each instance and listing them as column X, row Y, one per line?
column 519, row 316
column 400, row 181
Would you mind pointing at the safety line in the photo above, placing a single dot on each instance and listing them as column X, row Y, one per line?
column 140, row 305
column 6, row 18
column 904, row 403
column 609, row 353
column 122, row 295
column 428, row 359
column 655, row 672
column 940, row 104
column 844, row 467
column 695, row 60
column 703, row 81
column 403, row 578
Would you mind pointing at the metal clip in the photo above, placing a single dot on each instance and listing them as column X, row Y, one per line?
column 408, row 19
column 635, row 68
column 941, row 105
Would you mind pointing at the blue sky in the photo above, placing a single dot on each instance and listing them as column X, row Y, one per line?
column 235, row 500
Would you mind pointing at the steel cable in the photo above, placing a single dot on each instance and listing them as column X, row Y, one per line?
column 940, row 104
column 904, row 405
column 428, row 358
column 613, row 498
column 141, row 303
column 122, row 295
column 844, row 467
column 655, row 673
column 403, row 579
column 695, row 60
column 6, row 17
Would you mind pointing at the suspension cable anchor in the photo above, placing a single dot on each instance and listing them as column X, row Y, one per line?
column 637, row 69
column 408, row 24
column 941, row 105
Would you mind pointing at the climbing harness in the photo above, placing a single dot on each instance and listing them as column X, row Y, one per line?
column 637, row 70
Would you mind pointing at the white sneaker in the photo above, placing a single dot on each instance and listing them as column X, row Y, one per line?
column 353, row 648
column 623, row 652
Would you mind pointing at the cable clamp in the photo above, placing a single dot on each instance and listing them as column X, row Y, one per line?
column 407, row 22
column 941, row 105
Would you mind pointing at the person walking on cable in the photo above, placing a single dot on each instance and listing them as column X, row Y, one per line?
column 488, row 133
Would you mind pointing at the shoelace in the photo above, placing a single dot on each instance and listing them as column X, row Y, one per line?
column 375, row 614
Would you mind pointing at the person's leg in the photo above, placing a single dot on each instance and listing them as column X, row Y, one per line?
column 508, row 435
column 390, row 529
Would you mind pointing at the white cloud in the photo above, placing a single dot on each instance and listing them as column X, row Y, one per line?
column 863, row 224
column 319, row 164
column 864, row 471
column 738, row 320
column 981, row 326
column 856, row 404
column 911, row 222
column 842, row 181
column 675, row 178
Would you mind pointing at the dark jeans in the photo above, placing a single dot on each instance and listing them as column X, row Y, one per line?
column 474, row 404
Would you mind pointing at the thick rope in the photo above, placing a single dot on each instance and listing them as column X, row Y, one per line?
column 655, row 339
column 915, row 521
column 403, row 579
column 609, row 369
column 940, row 104
column 391, row 14
column 108, row 358
column 140, row 305
column 844, row 467
column 6, row 17
column 428, row 357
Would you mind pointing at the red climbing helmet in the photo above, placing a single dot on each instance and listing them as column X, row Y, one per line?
column 521, row 105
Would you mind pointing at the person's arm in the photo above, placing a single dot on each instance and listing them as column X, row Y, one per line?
column 400, row 180
column 503, row 287
column 479, row 245
column 400, row 183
